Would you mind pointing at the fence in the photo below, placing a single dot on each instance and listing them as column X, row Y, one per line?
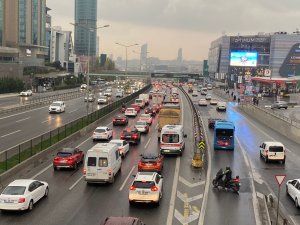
column 19, row 153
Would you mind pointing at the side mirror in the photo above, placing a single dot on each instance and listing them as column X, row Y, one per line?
column 260, row 146
column 134, row 175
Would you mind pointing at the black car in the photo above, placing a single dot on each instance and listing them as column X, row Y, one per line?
column 131, row 135
column 150, row 111
column 120, row 120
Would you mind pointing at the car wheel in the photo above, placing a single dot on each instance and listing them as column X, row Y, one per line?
column 55, row 168
column 287, row 190
column 46, row 192
column 30, row 206
column 296, row 203
column 75, row 166
column 131, row 203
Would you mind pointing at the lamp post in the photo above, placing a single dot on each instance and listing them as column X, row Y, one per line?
column 89, row 29
column 126, row 47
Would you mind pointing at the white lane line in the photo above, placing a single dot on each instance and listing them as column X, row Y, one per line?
column 73, row 111
column 173, row 194
column 147, row 143
column 45, row 121
column 125, row 181
column 22, row 119
column 39, row 173
column 22, row 113
column 10, row 133
column 70, row 188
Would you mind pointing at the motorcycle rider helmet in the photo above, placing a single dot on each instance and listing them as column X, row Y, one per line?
column 227, row 167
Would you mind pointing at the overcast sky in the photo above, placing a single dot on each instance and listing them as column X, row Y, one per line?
column 166, row 25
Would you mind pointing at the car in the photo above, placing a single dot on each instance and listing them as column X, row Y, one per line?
column 221, row 106
column 137, row 107
column 89, row 98
column 112, row 220
column 83, row 87
column 102, row 100
column 208, row 97
column 131, row 135
column 151, row 161
column 120, row 94
column 150, row 111
column 142, row 126
column 202, row 102
column 108, row 93
column 146, row 187
column 123, row 146
column 130, row 112
column 22, row 194
column 293, row 190
column 279, row 105
column 120, row 120
column 195, row 93
column 272, row 151
column 57, row 107
column 146, row 117
column 102, row 133
column 214, row 101
column 26, row 93
column 68, row 158
column 212, row 121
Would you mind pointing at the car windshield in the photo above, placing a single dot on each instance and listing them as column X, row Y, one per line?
column 55, row 104
column 100, row 130
column 149, row 158
column 170, row 138
column 143, row 184
column 64, row 154
column 141, row 123
column 116, row 143
column 14, row 190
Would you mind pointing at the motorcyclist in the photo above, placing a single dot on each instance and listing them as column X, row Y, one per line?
column 228, row 175
column 219, row 176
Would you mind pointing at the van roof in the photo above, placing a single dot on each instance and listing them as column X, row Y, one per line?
column 102, row 147
column 271, row 143
column 172, row 127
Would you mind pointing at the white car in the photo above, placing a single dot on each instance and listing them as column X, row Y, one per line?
column 23, row 194
column 202, row 102
column 119, row 94
column 214, row 101
column 146, row 187
column 102, row 100
column 208, row 97
column 146, row 117
column 102, row 133
column 195, row 93
column 221, row 106
column 89, row 98
column 130, row 112
column 26, row 93
column 293, row 190
column 57, row 107
column 108, row 93
column 142, row 126
column 123, row 146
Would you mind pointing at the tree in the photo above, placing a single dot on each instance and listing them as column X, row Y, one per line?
column 109, row 64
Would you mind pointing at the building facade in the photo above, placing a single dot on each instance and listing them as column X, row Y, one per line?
column 85, row 20
column 143, row 57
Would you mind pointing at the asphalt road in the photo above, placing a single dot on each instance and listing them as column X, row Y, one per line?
column 255, row 174
column 72, row 201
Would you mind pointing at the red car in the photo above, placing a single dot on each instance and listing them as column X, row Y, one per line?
column 68, row 158
column 151, row 162
column 137, row 107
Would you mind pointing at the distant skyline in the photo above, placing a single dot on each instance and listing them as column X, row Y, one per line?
column 167, row 25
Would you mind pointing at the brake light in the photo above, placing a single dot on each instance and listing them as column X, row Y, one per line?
column 84, row 170
column 145, row 127
column 132, row 188
column 109, row 172
column 134, row 136
column 123, row 120
column 122, row 136
column 21, row 200
column 154, row 188
column 114, row 120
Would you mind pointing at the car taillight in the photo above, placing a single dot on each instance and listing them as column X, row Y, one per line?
column 132, row 188
column 123, row 120
column 114, row 120
column 84, row 170
column 145, row 127
column 154, row 188
column 109, row 171
column 122, row 136
column 21, row 200
column 134, row 136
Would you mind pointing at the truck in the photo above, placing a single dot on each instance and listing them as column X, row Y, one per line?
column 169, row 114
column 145, row 97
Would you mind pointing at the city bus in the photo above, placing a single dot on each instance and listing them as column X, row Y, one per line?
column 224, row 135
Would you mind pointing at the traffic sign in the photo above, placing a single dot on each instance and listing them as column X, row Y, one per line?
column 201, row 145
column 280, row 179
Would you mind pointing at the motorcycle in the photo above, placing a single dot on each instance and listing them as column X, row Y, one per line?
column 123, row 109
column 233, row 185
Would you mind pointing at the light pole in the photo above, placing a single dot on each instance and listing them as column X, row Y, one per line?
column 126, row 46
column 89, row 29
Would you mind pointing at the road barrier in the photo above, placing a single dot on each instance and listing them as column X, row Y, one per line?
column 21, row 152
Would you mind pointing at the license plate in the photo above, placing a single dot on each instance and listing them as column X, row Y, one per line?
column 90, row 174
column 143, row 193
column 8, row 201
column 166, row 150
column 128, row 136
column 63, row 161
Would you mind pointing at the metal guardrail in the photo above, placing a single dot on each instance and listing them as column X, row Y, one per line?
column 19, row 153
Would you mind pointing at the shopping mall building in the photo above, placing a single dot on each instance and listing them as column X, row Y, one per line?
column 268, row 62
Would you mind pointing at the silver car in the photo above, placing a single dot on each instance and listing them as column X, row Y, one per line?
column 279, row 105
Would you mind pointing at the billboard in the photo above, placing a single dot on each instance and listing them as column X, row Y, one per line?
column 245, row 59
column 291, row 64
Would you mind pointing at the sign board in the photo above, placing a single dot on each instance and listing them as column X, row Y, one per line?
column 267, row 72
column 280, row 179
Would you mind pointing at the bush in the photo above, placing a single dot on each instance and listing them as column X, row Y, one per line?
column 9, row 85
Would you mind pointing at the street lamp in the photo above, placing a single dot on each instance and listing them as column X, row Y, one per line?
column 89, row 29
column 126, row 46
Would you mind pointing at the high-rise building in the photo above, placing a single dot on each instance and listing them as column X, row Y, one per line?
column 98, row 47
column 85, row 19
column 22, row 26
column 179, row 56
column 143, row 57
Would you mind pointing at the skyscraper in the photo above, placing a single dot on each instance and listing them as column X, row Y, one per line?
column 143, row 56
column 179, row 56
column 85, row 16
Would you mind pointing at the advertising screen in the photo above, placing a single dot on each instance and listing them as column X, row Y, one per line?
column 243, row 59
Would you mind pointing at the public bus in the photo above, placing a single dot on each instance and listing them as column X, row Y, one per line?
column 224, row 135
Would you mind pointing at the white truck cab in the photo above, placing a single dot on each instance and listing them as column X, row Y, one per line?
column 172, row 139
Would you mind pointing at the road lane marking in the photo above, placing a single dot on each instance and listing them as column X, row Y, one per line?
column 22, row 112
column 73, row 111
column 125, row 181
column 70, row 188
column 22, row 119
column 173, row 194
column 191, row 185
column 147, row 143
column 11, row 133
column 39, row 173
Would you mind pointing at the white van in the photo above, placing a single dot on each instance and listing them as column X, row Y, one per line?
column 172, row 139
column 102, row 163
column 145, row 97
column 140, row 102
column 272, row 151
